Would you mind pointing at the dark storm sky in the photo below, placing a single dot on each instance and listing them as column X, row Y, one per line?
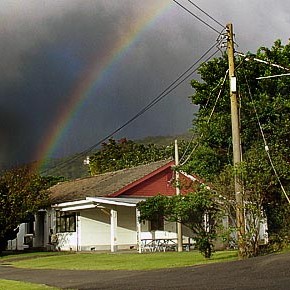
column 47, row 45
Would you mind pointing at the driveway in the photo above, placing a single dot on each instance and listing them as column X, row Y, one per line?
column 268, row 272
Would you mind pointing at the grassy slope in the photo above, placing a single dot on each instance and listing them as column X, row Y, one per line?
column 98, row 261
column 118, row 261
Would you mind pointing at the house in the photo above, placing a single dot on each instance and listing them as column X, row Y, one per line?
column 100, row 213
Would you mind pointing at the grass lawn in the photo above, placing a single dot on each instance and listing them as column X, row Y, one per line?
column 116, row 261
column 16, row 285
column 21, row 255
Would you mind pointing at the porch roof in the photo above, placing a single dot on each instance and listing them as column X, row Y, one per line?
column 116, row 200
column 99, row 202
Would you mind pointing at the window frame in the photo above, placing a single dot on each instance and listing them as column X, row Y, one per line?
column 65, row 222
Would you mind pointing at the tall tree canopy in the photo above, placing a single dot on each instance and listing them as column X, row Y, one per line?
column 21, row 195
column 264, row 101
column 116, row 155
column 270, row 97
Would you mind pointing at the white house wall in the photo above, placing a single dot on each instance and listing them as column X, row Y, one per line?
column 18, row 243
column 126, row 227
column 67, row 241
column 94, row 230
column 40, row 235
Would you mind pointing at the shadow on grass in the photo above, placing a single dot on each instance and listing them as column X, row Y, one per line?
column 220, row 257
column 13, row 256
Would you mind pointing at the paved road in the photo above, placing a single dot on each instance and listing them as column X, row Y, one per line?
column 269, row 272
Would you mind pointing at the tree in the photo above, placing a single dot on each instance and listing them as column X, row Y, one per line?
column 269, row 100
column 21, row 195
column 115, row 155
column 198, row 211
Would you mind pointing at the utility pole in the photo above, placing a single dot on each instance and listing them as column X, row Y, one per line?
column 236, row 141
column 177, row 188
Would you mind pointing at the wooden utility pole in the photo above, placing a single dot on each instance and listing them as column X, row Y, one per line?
column 179, row 226
column 236, row 141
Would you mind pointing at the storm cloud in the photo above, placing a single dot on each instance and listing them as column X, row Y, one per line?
column 47, row 46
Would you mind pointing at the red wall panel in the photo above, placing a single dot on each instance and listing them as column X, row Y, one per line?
column 161, row 183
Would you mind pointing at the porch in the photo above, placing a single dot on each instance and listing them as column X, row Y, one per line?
column 110, row 224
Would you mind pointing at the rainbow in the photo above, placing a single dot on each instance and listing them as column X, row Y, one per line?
column 93, row 77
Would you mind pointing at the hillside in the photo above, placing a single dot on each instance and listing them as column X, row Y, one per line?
column 164, row 140
column 72, row 167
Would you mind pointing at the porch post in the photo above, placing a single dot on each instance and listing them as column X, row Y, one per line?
column 138, row 226
column 78, row 232
column 114, row 230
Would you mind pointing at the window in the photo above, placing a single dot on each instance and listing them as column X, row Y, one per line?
column 157, row 224
column 65, row 222
column 30, row 227
column 30, row 224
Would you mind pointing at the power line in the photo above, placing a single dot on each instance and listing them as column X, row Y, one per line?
column 151, row 104
column 208, row 120
column 251, row 57
column 197, row 17
column 273, row 76
column 162, row 95
column 265, row 142
column 196, row 6
column 184, row 76
column 191, row 140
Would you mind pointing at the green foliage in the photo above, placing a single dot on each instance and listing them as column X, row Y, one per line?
column 115, row 155
column 190, row 210
column 270, row 96
column 205, row 161
column 213, row 158
column 72, row 167
column 260, row 196
column 153, row 207
column 21, row 195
